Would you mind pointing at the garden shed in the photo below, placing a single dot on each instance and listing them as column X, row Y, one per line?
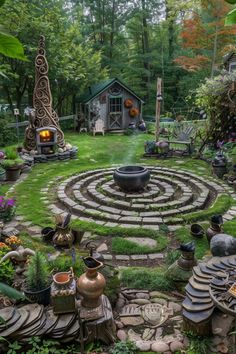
column 229, row 61
column 113, row 102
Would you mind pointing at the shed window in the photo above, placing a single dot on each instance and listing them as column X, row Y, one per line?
column 232, row 66
column 115, row 104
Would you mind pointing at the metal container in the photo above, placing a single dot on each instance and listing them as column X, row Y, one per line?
column 63, row 237
column 219, row 164
column 91, row 284
column 131, row 178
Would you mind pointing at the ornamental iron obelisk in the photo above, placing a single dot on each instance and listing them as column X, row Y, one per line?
column 43, row 115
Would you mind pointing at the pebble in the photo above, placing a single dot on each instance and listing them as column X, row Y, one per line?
column 119, row 324
column 133, row 336
column 159, row 347
column 175, row 346
column 143, row 296
column 132, row 321
column 176, row 307
column 121, row 335
column 143, row 345
column 159, row 301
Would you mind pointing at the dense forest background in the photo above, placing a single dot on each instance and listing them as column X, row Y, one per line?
column 181, row 41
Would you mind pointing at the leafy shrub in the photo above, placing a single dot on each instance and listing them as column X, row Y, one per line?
column 7, row 269
column 124, row 348
column 7, row 135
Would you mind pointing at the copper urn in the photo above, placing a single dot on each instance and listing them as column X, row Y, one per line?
column 91, row 284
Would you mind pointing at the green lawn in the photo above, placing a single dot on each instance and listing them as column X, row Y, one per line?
column 96, row 152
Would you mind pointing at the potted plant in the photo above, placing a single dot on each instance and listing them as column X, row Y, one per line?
column 7, row 208
column 38, row 280
column 12, row 164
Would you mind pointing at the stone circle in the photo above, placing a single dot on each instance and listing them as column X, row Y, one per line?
column 170, row 195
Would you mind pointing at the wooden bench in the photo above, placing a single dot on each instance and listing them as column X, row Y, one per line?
column 98, row 127
column 183, row 136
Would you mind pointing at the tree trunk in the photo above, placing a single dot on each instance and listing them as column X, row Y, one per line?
column 146, row 60
column 214, row 49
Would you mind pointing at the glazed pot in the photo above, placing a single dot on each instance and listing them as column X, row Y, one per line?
column 91, row 284
column 63, row 237
column 197, row 230
column 131, row 178
column 47, row 233
column 187, row 260
column 212, row 231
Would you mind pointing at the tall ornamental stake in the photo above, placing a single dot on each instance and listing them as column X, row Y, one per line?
column 44, row 115
column 158, row 108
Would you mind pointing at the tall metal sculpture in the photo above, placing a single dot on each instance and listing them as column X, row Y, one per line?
column 44, row 115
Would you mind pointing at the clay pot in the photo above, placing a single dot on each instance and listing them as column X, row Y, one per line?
column 63, row 279
column 91, row 284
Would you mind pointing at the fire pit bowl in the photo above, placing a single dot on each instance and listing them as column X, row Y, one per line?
column 131, row 178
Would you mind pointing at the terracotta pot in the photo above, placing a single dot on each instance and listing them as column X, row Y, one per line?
column 91, row 284
column 63, row 279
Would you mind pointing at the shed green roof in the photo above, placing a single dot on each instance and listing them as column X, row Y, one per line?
column 96, row 89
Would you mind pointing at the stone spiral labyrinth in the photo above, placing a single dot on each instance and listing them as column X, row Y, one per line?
column 170, row 195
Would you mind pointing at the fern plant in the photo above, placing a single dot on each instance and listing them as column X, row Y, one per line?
column 37, row 275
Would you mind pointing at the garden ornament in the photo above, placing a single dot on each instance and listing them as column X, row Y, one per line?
column 20, row 255
column 187, row 260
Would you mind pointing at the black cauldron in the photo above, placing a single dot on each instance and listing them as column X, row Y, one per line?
column 131, row 178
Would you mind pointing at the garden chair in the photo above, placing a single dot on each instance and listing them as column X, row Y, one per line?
column 98, row 127
column 185, row 136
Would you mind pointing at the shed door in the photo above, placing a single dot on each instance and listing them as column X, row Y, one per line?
column 115, row 114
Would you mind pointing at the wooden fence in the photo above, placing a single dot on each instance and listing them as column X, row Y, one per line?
column 25, row 123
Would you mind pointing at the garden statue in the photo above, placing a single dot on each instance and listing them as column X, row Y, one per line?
column 187, row 260
column 219, row 164
column 215, row 227
column 223, row 245
column 20, row 256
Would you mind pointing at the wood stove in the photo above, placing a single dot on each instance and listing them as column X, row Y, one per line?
column 46, row 140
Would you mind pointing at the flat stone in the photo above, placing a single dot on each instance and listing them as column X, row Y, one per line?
column 148, row 334
column 19, row 218
column 122, row 258
column 160, row 295
column 132, row 321
column 159, row 347
column 159, row 301
column 140, row 301
column 156, row 256
column 143, row 296
column 10, row 231
column 27, row 223
column 102, row 248
column 137, row 257
column 149, row 242
column 133, row 336
column 107, row 257
column 36, row 229
column 176, row 307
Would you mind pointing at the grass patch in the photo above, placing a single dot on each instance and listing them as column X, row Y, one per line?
column 230, row 227
column 123, row 246
column 221, row 205
column 183, row 236
column 146, row 278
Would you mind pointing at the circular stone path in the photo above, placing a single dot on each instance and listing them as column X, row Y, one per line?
column 170, row 195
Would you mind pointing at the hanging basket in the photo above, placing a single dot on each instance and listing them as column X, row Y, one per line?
column 128, row 103
column 133, row 112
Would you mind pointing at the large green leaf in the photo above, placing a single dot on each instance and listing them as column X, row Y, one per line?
column 231, row 18
column 231, row 1
column 11, row 47
column 11, row 292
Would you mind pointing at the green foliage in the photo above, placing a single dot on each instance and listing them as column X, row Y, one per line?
column 10, row 292
column 8, row 163
column 231, row 18
column 123, row 348
column 198, row 344
column 11, row 47
column 63, row 263
column 11, row 153
column 6, row 268
column 144, row 278
column 37, row 275
column 172, row 256
column 7, row 135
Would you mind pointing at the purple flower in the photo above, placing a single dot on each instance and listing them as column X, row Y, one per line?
column 219, row 144
column 2, row 155
column 10, row 202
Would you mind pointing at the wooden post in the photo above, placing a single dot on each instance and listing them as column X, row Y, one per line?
column 158, row 108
